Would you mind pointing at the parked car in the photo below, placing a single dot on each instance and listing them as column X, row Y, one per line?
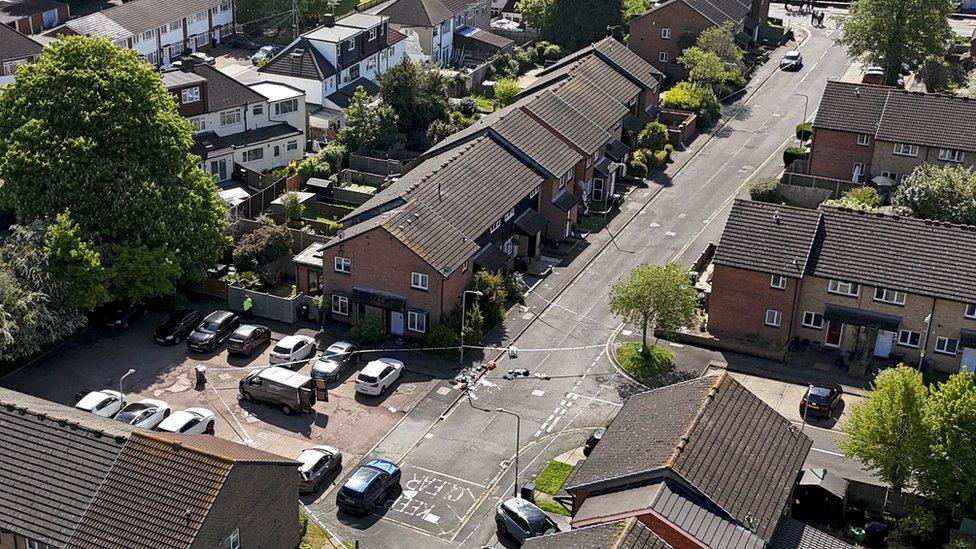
column 248, row 338
column 293, row 349
column 177, row 327
column 521, row 519
column 121, row 313
column 592, row 441
column 265, row 53
column 214, row 329
column 315, row 465
column 291, row 391
column 202, row 58
column 192, row 421
column 336, row 358
column 378, row 376
column 873, row 75
column 369, row 486
column 820, row 401
column 103, row 403
column 792, row 61
column 146, row 413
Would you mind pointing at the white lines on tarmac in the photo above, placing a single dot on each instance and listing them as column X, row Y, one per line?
column 597, row 400
column 568, row 401
column 827, row 452
column 445, row 475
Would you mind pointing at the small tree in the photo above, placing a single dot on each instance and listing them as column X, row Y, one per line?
column 293, row 209
column 262, row 246
column 700, row 100
column 886, row 430
column 505, row 91
column 941, row 193
column 950, row 419
column 720, row 40
column 492, row 287
column 368, row 329
column 863, row 199
column 704, row 67
column 417, row 93
column 368, row 122
column 658, row 295
column 765, row 190
column 654, row 136
column 440, row 129
column 535, row 13
column 935, row 73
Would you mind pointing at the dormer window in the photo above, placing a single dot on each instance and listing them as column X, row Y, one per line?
column 351, row 44
column 190, row 95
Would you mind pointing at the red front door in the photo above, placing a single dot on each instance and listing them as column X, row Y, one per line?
column 834, row 330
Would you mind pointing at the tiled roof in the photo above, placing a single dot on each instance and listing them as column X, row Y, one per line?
column 12, row 10
column 569, row 122
column 793, row 534
column 343, row 96
column 625, row 59
column 623, row 534
column 416, row 13
column 260, row 135
column 768, row 238
column 595, row 70
column 223, row 92
column 14, row 45
column 720, row 11
column 300, row 60
column 592, row 101
column 97, row 24
column 725, row 442
column 930, row 120
column 138, row 16
column 553, row 154
column 393, row 36
column 851, row 107
column 457, row 5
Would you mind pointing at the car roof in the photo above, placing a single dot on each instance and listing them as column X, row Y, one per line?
column 246, row 329
column 793, row 52
column 219, row 315
column 375, row 367
column 361, row 479
column 95, row 397
column 820, row 391
column 290, row 341
column 525, row 508
column 203, row 412
column 283, row 376
column 383, row 465
column 341, row 346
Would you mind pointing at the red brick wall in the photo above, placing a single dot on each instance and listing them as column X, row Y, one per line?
column 739, row 300
column 645, row 35
column 834, row 153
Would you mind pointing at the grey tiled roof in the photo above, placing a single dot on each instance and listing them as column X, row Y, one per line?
column 793, row 534
column 592, row 101
column 138, row 16
column 223, row 92
column 554, row 155
column 768, row 238
column 14, row 45
column 416, row 13
column 616, row 55
column 569, row 122
column 851, row 107
column 930, row 120
column 623, row 534
column 720, row 11
column 300, row 59
column 702, row 519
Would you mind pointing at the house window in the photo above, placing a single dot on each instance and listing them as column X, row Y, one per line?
column 434, row 32
column 229, row 118
column 225, row 5
column 257, row 110
column 495, row 226
column 509, row 248
column 666, row 33
column 419, row 281
column 175, row 25
column 812, row 320
column 354, row 72
column 199, row 16
column 340, row 304
column 970, row 310
column 863, row 139
column 858, row 170
column 773, row 318
column 148, row 35
column 889, row 296
column 34, row 544
column 663, row 57
column 291, row 146
column 778, row 282
column 509, row 214
column 253, row 154
column 190, row 95
column 565, row 179
column 890, row 175
column 372, row 33
column 904, row 149
column 844, row 288
column 343, row 264
column 951, row 155
column 417, row 322
column 908, row 338
column 351, row 44
column 285, row 107
column 946, row 345
column 199, row 124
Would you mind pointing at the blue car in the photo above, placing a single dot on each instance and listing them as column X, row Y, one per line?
column 369, row 486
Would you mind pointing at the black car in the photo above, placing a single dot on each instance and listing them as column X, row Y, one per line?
column 368, row 487
column 591, row 442
column 214, row 329
column 177, row 327
column 121, row 314
column 248, row 338
column 820, row 401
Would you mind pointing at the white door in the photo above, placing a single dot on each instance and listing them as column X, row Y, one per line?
column 968, row 362
column 882, row 346
column 396, row 323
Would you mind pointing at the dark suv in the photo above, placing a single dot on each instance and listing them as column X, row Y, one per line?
column 248, row 338
column 214, row 329
column 368, row 487
column 177, row 327
column 820, row 401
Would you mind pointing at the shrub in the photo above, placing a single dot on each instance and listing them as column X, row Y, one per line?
column 334, row 154
column 314, row 166
column 658, row 158
column 765, row 190
column 669, row 148
column 467, row 106
column 506, row 90
column 293, row 209
column 792, row 154
column 552, row 52
column 262, row 246
column 859, row 199
column 637, row 169
column 804, row 131
column 249, row 280
column 492, row 286
column 922, row 528
column 642, row 365
column 369, row 329
column 302, row 524
column 515, row 287
column 700, row 100
column 524, row 59
column 440, row 129
column 654, row 136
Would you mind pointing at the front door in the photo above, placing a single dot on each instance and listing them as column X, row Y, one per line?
column 968, row 362
column 882, row 345
column 597, row 190
column 396, row 323
column 834, row 332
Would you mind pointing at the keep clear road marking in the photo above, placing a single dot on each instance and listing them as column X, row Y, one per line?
column 445, row 475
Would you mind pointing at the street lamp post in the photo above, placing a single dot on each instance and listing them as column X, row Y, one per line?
column 518, row 429
column 464, row 297
column 806, row 399
column 125, row 375
column 806, row 103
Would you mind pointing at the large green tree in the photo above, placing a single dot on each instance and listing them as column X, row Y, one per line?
column 77, row 264
column 949, row 471
column 417, row 93
column 886, row 430
column 655, row 295
column 935, row 192
column 368, row 123
column 574, row 26
column 535, row 13
column 892, row 32
column 90, row 129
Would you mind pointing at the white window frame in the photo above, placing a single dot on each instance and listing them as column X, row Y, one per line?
column 863, row 139
column 666, row 33
column 342, row 264
column 509, row 214
column 372, row 34
column 229, row 118
column 905, row 149
column 257, row 109
column 951, row 155
column 836, row 287
column 891, row 297
column 495, row 226
column 224, row 6
column 190, row 95
column 351, row 44
column 777, row 281
column 199, row 16
column 890, row 175
column 813, row 320
column 535, row 192
column 291, row 145
column 199, row 124
column 662, row 57
column 942, row 344
column 340, row 305
column 905, row 338
column 285, row 107
column 970, row 311
column 773, row 318
column 176, row 25
column 255, row 154
column 419, row 281
column 34, row 544
column 149, row 34
column 417, row 322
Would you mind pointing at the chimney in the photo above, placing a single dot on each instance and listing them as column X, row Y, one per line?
column 328, row 20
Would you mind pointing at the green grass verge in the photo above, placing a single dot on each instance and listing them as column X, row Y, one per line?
column 314, row 537
column 643, row 365
column 552, row 507
column 552, row 477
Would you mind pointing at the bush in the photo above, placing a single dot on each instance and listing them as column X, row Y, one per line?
column 314, row 166
column 293, row 208
column 765, row 190
column 506, row 90
column 658, row 158
column 642, row 365
column 334, row 154
column 552, row 52
column 369, row 329
column 804, row 131
column 467, row 106
column 440, row 129
column 700, row 100
column 859, row 199
column 249, row 280
column 515, row 287
column 922, row 528
column 654, row 136
column 637, row 169
column 524, row 59
column 302, row 524
column 262, row 246
column 792, row 154
column 492, row 302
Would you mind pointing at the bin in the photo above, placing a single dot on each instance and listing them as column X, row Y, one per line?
column 201, row 373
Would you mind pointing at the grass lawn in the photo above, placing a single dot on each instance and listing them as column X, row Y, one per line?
column 592, row 223
column 314, row 538
column 483, row 103
column 641, row 365
column 552, row 477
column 285, row 290
column 552, row 507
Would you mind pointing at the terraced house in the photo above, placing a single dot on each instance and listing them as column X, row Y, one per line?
column 852, row 282
column 16, row 49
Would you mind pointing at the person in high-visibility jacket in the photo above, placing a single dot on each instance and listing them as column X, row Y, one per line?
column 247, row 305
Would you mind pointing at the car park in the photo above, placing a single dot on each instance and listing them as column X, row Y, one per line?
column 335, row 359
column 281, row 387
column 315, row 464
column 192, row 421
column 177, row 327
column 369, row 486
column 792, row 61
column 146, row 413
column 592, row 441
column 378, row 376
column 820, row 401
column 265, row 53
column 293, row 349
column 520, row 519
column 247, row 339
column 103, row 403
column 120, row 314
column 202, row 58
column 209, row 334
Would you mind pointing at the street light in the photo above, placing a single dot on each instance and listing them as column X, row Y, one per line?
column 806, row 400
column 127, row 374
column 806, row 103
column 464, row 297
column 518, row 429
column 925, row 341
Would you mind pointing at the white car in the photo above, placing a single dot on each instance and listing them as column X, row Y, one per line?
column 265, row 53
column 192, row 421
column 104, row 403
column 146, row 413
column 292, row 349
column 378, row 376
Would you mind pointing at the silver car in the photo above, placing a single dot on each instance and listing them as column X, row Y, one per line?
column 521, row 519
column 315, row 464
column 339, row 356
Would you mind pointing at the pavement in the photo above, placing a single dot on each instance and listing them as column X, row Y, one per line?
column 458, row 459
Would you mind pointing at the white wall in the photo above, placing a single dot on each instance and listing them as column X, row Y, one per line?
column 269, row 161
column 295, row 118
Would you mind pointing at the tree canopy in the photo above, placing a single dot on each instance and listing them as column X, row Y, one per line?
column 942, row 193
column 417, row 93
column 368, row 122
column 865, row 199
column 949, row 470
column 90, row 129
column 505, row 91
column 566, row 24
column 658, row 295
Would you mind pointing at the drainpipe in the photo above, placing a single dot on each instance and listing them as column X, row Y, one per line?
column 789, row 333
column 925, row 338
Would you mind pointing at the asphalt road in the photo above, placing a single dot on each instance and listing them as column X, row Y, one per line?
column 455, row 472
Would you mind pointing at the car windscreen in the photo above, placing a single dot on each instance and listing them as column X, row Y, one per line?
column 209, row 326
column 281, row 350
column 367, row 379
column 819, row 396
column 539, row 522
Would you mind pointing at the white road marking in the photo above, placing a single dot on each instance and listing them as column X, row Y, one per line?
column 828, row 452
column 438, row 473
column 597, row 400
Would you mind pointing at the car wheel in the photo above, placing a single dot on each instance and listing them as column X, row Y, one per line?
column 502, row 530
column 286, row 409
column 210, row 429
column 166, row 414
column 247, row 396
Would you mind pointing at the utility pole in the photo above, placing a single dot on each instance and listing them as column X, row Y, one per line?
column 294, row 19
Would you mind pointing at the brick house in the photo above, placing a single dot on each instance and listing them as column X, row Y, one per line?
column 86, row 481
column 661, row 33
column 33, row 16
column 880, row 285
column 16, row 49
column 862, row 131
